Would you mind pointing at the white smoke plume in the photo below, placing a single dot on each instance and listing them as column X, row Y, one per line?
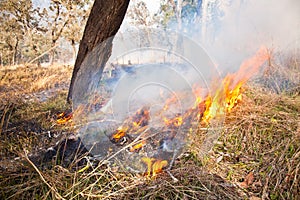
column 246, row 25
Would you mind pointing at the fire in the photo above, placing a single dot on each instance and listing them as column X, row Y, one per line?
column 176, row 121
column 64, row 117
column 232, row 96
column 214, row 107
column 154, row 166
column 120, row 133
column 233, row 83
column 141, row 117
column 232, row 87
column 158, row 166
column 206, row 107
column 133, row 124
column 137, row 147
column 169, row 101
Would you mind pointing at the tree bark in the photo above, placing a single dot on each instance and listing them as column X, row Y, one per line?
column 52, row 52
column 15, row 51
column 96, row 45
column 1, row 61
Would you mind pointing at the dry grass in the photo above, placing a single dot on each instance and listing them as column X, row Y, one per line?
column 32, row 82
column 257, row 155
column 261, row 136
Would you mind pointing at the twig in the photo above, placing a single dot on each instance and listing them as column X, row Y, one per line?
column 210, row 129
column 175, row 180
column 41, row 176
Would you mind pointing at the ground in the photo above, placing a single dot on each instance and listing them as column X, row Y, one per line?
column 257, row 155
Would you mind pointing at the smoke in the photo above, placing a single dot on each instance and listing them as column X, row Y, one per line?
column 232, row 31
column 157, row 66
column 247, row 25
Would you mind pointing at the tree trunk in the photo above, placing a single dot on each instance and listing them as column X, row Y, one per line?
column 52, row 52
column 1, row 61
column 15, row 51
column 74, row 49
column 96, row 45
column 179, row 42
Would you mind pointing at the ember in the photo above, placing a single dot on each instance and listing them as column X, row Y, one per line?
column 133, row 124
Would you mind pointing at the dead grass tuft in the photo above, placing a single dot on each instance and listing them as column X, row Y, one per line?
column 262, row 136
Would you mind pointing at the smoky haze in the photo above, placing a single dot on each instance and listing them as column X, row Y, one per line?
column 219, row 40
column 247, row 25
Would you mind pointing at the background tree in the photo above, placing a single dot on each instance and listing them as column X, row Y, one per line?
column 74, row 30
column 18, row 21
column 180, row 13
column 30, row 34
column 64, row 14
column 139, row 16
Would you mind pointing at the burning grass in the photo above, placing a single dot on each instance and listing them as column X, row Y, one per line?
column 257, row 155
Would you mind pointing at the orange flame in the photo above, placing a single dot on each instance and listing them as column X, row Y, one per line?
column 232, row 87
column 176, row 121
column 169, row 101
column 141, row 117
column 250, row 67
column 120, row 133
column 64, row 117
column 137, row 147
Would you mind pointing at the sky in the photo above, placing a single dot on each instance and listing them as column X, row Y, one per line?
column 153, row 5
column 41, row 3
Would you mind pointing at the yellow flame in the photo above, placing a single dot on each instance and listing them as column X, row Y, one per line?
column 232, row 87
column 148, row 162
column 233, row 96
column 64, row 118
column 121, row 132
column 213, row 107
column 158, row 166
column 138, row 146
column 176, row 121
column 154, row 165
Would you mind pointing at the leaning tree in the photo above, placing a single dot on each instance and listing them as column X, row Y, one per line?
column 103, row 23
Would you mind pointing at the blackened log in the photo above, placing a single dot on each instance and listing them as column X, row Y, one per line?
column 103, row 23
